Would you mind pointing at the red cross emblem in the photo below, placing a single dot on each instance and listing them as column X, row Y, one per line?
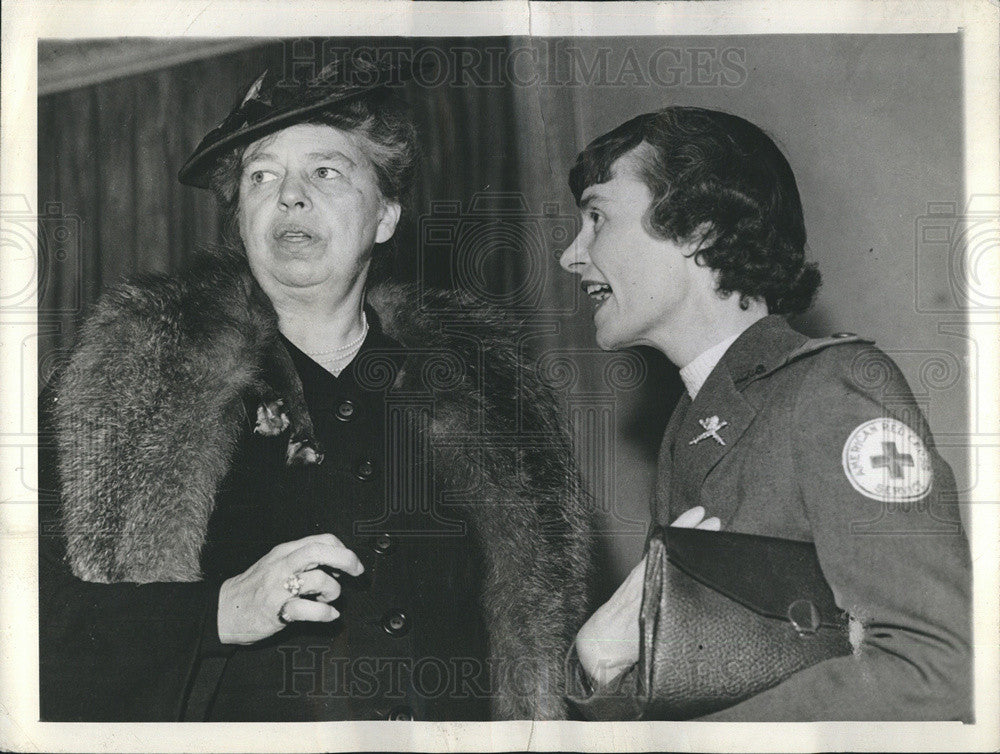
column 892, row 459
column 885, row 460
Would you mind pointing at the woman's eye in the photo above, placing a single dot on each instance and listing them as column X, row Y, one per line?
column 258, row 177
column 595, row 217
column 327, row 173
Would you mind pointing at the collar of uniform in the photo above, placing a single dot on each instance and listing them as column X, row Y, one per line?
column 712, row 425
column 760, row 349
column 696, row 372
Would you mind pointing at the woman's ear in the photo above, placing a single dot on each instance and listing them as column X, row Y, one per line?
column 387, row 224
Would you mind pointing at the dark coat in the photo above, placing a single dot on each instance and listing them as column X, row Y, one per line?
column 813, row 428
column 148, row 414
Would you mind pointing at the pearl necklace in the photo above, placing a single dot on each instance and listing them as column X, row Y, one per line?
column 354, row 345
column 335, row 359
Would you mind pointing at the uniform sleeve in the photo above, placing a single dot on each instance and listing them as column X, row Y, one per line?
column 883, row 510
column 113, row 652
column 616, row 700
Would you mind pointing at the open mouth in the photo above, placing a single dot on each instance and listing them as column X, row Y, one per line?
column 598, row 292
column 292, row 234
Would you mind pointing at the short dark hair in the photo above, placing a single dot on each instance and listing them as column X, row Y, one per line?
column 379, row 116
column 709, row 169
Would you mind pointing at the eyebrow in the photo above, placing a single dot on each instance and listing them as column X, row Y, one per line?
column 251, row 156
column 334, row 155
column 589, row 200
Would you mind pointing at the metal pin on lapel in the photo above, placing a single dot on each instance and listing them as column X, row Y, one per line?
column 711, row 425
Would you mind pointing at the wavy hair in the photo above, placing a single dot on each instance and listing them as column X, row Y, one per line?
column 721, row 181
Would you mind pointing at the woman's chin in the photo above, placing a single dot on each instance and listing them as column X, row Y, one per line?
column 609, row 339
column 290, row 280
column 303, row 272
column 606, row 340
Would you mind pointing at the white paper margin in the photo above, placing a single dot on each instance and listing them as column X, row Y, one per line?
column 24, row 22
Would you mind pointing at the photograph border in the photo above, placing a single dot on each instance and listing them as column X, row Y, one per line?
column 25, row 22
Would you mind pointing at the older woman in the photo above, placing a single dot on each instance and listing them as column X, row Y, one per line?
column 384, row 557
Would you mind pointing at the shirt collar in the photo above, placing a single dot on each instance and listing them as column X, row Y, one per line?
column 697, row 371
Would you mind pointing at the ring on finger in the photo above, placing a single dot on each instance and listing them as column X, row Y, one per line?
column 282, row 615
column 293, row 585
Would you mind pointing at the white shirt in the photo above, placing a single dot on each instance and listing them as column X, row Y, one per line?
column 697, row 371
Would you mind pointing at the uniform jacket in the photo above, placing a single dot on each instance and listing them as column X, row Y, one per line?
column 814, row 431
column 147, row 416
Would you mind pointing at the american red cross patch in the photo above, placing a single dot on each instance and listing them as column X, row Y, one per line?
column 885, row 460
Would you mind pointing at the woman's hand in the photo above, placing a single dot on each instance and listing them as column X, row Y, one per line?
column 250, row 603
column 608, row 643
column 694, row 518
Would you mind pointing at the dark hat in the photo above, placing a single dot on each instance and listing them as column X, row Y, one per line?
column 271, row 104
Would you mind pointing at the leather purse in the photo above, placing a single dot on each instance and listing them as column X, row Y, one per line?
column 726, row 616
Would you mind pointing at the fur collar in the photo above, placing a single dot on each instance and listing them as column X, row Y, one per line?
column 146, row 420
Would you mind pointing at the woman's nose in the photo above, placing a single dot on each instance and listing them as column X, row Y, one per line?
column 573, row 257
column 293, row 193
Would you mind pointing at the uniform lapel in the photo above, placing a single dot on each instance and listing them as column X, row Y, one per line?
column 661, row 499
column 756, row 353
column 697, row 452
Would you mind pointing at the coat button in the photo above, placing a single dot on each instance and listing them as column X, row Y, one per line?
column 345, row 411
column 364, row 469
column 382, row 544
column 401, row 713
column 759, row 369
column 396, row 623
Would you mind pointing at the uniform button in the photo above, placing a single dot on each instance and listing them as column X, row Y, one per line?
column 396, row 623
column 401, row 713
column 346, row 410
column 843, row 335
column 364, row 469
column 382, row 544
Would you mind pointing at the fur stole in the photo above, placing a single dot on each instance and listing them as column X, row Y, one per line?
column 147, row 415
